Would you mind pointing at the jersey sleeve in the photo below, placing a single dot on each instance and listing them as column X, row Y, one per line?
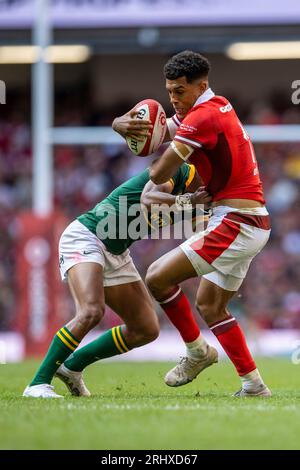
column 173, row 124
column 183, row 178
column 198, row 129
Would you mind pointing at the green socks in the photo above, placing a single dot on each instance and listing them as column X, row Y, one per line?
column 63, row 344
column 109, row 344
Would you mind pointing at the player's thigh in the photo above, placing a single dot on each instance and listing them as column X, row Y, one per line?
column 170, row 269
column 86, row 284
column 212, row 301
column 132, row 302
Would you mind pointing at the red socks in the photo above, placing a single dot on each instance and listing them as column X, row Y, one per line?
column 228, row 331
column 232, row 339
column 177, row 308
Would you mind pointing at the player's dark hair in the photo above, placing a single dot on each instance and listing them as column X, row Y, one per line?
column 189, row 64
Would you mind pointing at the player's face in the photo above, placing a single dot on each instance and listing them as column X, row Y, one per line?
column 183, row 95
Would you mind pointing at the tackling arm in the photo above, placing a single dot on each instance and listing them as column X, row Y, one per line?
column 161, row 194
column 157, row 194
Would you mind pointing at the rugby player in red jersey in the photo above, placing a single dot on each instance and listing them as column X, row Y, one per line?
column 206, row 131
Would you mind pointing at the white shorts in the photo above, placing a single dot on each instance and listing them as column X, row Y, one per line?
column 223, row 252
column 79, row 245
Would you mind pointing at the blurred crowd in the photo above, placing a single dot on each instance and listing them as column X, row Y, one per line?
column 270, row 296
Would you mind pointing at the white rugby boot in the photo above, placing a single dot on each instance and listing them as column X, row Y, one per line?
column 188, row 368
column 41, row 391
column 73, row 380
column 261, row 391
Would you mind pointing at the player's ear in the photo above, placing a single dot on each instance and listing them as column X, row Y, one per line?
column 203, row 85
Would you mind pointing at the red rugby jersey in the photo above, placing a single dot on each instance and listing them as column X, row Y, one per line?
column 224, row 154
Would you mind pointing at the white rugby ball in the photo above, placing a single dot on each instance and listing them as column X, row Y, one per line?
column 152, row 111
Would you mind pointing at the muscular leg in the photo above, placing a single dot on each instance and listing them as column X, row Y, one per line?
column 212, row 302
column 163, row 278
column 86, row 285
column 167, row 272
column 133, row 304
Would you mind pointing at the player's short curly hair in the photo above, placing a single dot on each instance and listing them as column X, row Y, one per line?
column 187, row 63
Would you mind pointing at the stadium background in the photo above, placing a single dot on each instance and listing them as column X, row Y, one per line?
column 125, row 66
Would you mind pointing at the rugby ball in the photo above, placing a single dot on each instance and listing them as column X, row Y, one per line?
column 153, row 111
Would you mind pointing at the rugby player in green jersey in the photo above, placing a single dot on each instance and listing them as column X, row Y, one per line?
column 95, row 261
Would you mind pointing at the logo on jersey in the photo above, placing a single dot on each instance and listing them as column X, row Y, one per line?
column 188, row 128
column 226, row 109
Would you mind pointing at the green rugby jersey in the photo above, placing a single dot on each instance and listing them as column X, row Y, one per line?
column 111, row 218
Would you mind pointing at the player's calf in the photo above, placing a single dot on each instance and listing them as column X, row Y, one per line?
column 140, row 335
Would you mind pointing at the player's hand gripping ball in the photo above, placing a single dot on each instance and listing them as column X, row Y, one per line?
column 153, row 111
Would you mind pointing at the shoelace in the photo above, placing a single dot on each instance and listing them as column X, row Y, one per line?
column 180, row 365
column 186, row 362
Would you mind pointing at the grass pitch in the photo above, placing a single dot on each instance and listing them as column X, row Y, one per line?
column 132, row 408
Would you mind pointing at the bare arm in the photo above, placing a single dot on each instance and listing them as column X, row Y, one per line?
column 161, row 194
column 167, row 165
column 157, row 194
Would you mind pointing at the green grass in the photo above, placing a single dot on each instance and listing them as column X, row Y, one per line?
column 131, row 408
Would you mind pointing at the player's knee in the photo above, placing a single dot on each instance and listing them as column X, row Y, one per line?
column 90, row 315
column 151, row 277
column 210, row 312
column 153, row 280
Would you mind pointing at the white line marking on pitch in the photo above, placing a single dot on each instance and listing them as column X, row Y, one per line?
column 179, row 407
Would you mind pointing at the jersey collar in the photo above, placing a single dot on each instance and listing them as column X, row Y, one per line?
column 207, row 95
